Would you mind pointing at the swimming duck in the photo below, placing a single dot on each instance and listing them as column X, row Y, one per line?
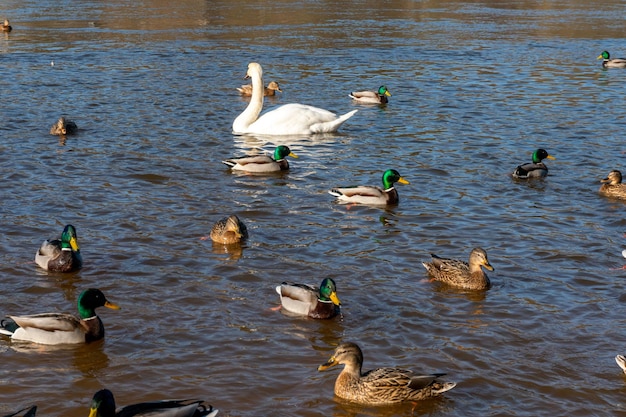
column 103, row 405
column 607, row 62
column 306, row 300
column 229, row 230
column 25, row 412
column 262, row 163
column 289, row 119
column 371, row 97
column 63, row 127
column 61, row 328
column 461, row 274
column 371, row 195
column 270, row 90
column 534, row 169
column 382, row 385
column 621, row 362
column 60, row 255
column 6, row 26
column 612, row 185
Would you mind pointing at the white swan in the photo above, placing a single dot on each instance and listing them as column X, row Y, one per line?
column 289, row 119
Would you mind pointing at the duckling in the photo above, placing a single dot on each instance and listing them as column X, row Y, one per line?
column 461, row 274
column 25, row 412
column 612, row 185
column 534, row 169
column 306, row 300
column 6, row 26
column 61, row 328
column 621, row 362
column 371, row 195
column 60, row 255
column 371, row 97
column 103, row 405
column 63, row 127
column 382, row 385
column 262, row 163
column 270, row 90
column 229, row 230
column 607, row 62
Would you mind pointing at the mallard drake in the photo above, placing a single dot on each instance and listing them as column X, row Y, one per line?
column 61, row 328
column 306, row 300
column 382, row 385
column 229, row 230
column 25, row 412
column 103, row 405
column 371, row 195
column 6, row 26
column 461, row 274
column 621, row 362
column 63, row 127
column 270, row 90
column 534, row 169
column 612, row 185
column 607, row 62
column 371, row 97
column 262, row 163
column 60, row 255
column 289, row 119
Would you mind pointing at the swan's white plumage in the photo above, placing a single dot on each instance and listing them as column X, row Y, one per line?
column 289, row 119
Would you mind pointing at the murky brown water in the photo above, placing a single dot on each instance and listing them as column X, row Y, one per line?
column 477, row 85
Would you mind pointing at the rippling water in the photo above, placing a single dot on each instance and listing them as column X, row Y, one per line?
column 477, row 86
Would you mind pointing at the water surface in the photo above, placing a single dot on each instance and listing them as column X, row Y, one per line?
column 477, row 86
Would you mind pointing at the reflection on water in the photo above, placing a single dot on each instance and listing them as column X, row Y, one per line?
column 477, row 86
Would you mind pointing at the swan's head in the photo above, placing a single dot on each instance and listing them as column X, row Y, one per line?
column 254, row 68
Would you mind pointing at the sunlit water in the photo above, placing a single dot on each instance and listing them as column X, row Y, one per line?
column 477, row 86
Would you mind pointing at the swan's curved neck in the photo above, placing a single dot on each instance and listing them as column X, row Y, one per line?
column 251, row 113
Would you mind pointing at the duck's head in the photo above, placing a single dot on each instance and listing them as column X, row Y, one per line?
column 348, row 354
column 541, row 154
column 282, row 151
column 61, row 126
column 390, row 177
column 6, row 22
column 614, row 178
column 235, row 226
column 382, row 91
column 604, row 55
column 91, row 299
column 273, row 85
column 102, row 404
column 69, row 239
column 478, row 256
column 328, row 291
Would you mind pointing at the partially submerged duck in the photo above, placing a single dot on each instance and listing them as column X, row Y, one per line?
column 534, row 169
column 607, row 62
column 371, row 97
column 63, row 127
column 60, row 255
column 382, row 385
column 262, row 163
column 61, row 328
column 372, row 195
column 103, row 405
column 612, row 185
column 461, row 274
column 270, row 90
column 6, row 26
column 306, row 300
column 229, row 230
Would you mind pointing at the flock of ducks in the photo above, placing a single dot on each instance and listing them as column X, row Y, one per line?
column 374, row 387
